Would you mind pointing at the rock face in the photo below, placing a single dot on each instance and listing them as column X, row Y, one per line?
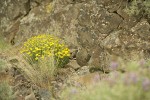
column 99, row 29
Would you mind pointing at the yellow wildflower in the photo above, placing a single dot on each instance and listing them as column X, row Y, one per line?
column 46, row 45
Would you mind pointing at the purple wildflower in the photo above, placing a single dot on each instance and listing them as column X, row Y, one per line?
column 73, row 91
column 113, row 78
column 146, row 84
column 77, row 84
column 142, row 63
column 113, row 65
column 96, row 78
column 131, row 78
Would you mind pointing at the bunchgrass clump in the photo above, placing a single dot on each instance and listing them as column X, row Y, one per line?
column 134, row 84
column 40, row 74
column 43, row 55
column 5, row 91
column 46, row 45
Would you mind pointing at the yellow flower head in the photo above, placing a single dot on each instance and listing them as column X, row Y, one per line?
column 46, row 45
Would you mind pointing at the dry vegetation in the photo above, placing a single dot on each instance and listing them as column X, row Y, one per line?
column 133, row 84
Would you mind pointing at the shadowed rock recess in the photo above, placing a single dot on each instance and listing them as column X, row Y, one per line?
column 100, row 29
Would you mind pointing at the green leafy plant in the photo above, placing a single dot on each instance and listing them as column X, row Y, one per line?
column 5, row 92
column 46, row 45
column 138, row 7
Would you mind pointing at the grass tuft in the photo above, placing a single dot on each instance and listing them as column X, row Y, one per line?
column 3, row 45
column 5, row 91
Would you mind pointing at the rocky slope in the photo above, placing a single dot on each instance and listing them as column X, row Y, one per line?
column 100, row 30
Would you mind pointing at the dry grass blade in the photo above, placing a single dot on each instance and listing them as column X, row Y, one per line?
column 41, row 73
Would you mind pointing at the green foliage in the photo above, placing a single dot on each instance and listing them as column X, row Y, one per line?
column 105, row 92
column 138, row 7
column 45, row 45
column 131, row 85
column 2, row 63
column 5, row 92
column 3, row 45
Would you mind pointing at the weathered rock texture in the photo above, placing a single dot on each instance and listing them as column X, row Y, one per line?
column 100, row 29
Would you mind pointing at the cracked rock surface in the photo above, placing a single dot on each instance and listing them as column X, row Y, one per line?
column 99, row 29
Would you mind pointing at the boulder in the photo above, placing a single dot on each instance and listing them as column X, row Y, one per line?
column 30, row 97
column 82, row 57
column 73, row 64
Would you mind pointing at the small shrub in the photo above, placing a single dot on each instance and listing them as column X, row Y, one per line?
column 43, row 55
column 46, row 45
column 138, row 7
column 5, row 92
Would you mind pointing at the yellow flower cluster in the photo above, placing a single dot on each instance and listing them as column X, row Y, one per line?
column 45, row 45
